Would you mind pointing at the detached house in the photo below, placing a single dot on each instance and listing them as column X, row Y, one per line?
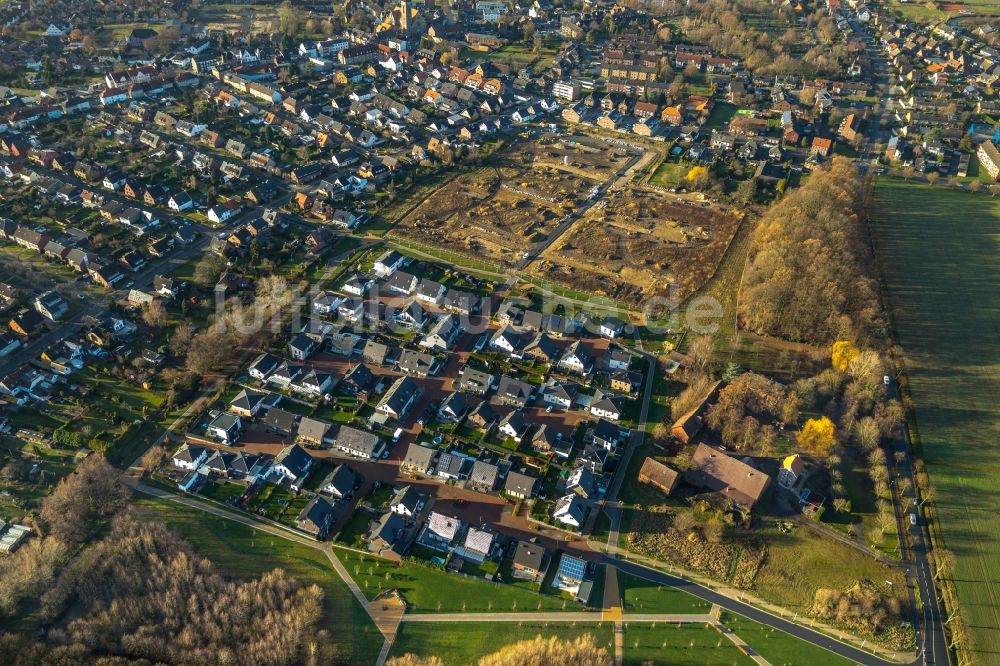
column 293, row 464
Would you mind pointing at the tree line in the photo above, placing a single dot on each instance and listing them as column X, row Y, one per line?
column 107, row 588
column 806, row 277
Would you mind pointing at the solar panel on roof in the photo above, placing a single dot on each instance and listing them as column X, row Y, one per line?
column 571, row 567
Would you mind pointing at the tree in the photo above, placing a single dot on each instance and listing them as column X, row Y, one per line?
column 581, row 651
column 410, row 659
column 695, row 392
column 818, row 437
column 154, row 314
column 867, row 432
column 944, row 563
column 806, row 278
column 843, row 353
column 866, row 367
column 208, row 270
column 83, row 499
column 153, row 458
column 180, row 339
column 746, row 192
column 933, row 177
column 697, row 173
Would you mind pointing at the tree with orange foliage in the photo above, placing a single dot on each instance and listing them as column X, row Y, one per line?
column 843, row 353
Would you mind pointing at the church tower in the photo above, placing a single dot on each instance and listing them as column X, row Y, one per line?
column 404, row 15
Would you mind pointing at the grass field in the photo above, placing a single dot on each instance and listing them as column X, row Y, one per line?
column 462, row 644
column 938, row 250
column 643, row 596
column 803, row 561
column 778, row 647
column 242, row 552
column 919, row 11
column 430, row 590
column 679, row 645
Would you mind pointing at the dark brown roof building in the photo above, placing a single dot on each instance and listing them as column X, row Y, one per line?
column 713, row 469
column 658, row 475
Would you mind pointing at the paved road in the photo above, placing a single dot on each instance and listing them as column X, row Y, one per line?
column 932, row 646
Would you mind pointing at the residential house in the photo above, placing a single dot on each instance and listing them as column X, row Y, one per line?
column 419, row 458
column 483, row 417
column 484, row 476
column 359, row 443
column 606, row 406
column 473, row 381
column 313, row 432
column 559, row 393
column 399, row 398
column 247, row 403
column 791, row 470
column 477, row 545
column 570, row 510
column 514, row 392
column 225, row 428
column 513, row 426
column 530, row 561
column 339, row 483
column 190, row 456
column 51, row 305
column 316, row 517
column 407, row 502
column 519, row 485
column 293, row 463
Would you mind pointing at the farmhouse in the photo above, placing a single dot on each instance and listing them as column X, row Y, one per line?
column 718, row 472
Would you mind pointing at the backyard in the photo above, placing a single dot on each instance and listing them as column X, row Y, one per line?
column 940, row 275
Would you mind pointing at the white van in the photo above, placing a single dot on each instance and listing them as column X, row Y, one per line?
column 396, row 435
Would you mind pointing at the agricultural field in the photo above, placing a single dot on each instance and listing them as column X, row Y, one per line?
column 640, row 245
column 940, row 276
column 495, row 214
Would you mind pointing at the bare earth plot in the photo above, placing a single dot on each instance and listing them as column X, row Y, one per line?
column 495, row 214
column 938, row 250
column 641, row 244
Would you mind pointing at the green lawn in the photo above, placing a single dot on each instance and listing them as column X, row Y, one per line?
column 643, row 596
column 778, row 647
column 721, row 114
column 430, row 590
column 669, row 174
column 938, row 251
column 241, row 551
column 679, row 645
column 463, row 643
